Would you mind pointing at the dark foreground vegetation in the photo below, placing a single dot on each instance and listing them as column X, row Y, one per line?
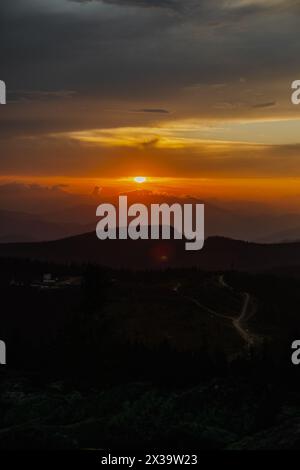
column 145, row 360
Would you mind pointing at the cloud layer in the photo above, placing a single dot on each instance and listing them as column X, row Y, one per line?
column 74, row 67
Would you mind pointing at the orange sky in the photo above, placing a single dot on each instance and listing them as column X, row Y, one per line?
column 280, row 193
column 199, row 102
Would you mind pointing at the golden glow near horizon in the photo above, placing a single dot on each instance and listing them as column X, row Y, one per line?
column 278, row 192
column 187, row 133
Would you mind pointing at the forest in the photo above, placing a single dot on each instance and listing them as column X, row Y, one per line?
column 148, row 359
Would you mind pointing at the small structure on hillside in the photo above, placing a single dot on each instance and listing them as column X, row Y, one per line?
column 49, row 282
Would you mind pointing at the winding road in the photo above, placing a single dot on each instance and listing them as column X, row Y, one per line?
column 248, row 309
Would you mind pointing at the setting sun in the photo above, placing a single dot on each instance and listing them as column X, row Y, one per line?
column 140, row 179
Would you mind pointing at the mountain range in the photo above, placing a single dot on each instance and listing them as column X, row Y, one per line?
column 219, row 253
column 16, row 226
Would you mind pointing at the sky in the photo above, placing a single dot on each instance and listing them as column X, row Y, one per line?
column 193, row 94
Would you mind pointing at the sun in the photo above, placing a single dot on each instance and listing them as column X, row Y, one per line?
column 140, row 179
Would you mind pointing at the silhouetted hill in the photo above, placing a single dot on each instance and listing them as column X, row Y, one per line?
column 283, row 236
column 23, row 227
column 218, row 253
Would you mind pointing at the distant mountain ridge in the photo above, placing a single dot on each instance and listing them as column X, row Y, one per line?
column 23, row 227
column 219, row 253
column 230, row 222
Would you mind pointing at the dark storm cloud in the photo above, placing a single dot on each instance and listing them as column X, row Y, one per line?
column 105, row 50
column 94, row 53
column 125, row 54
